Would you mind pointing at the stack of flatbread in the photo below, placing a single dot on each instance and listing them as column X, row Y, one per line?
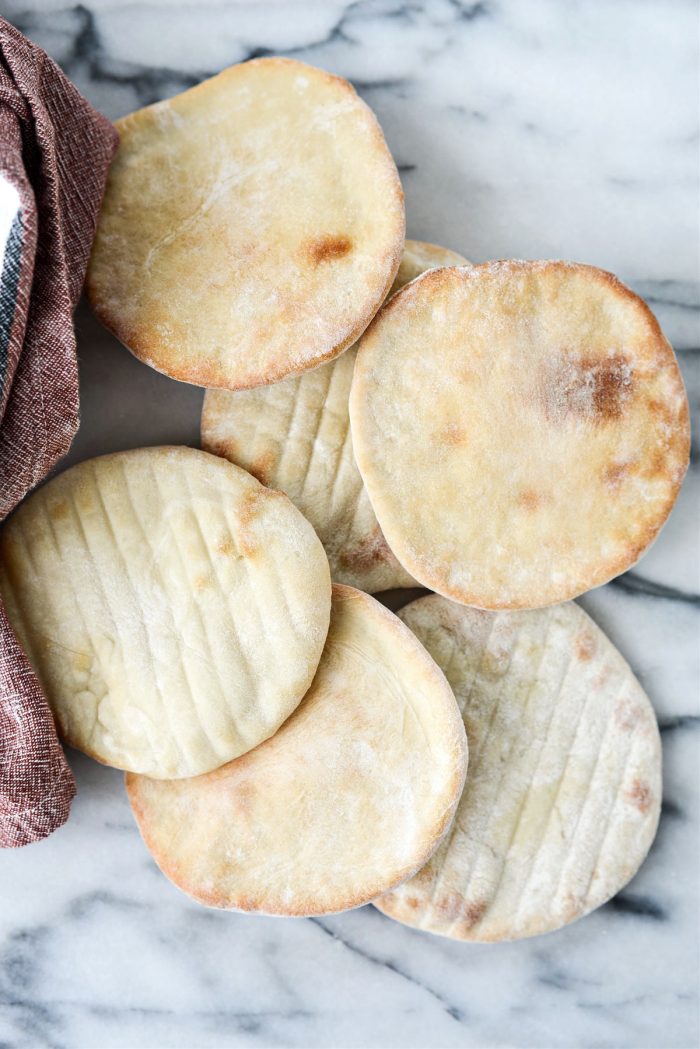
column 379, row 414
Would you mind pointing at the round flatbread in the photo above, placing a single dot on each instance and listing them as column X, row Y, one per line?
column 352, row 794
column 564, row 789
column 295, row 436
column 521, row 428
column 251, row 226
column 174, row 610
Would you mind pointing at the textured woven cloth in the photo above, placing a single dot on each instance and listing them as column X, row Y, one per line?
column 54, row 154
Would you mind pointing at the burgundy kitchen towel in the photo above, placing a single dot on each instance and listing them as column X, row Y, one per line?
column 54, row 154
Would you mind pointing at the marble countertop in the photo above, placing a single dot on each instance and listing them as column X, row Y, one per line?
column 522, row 128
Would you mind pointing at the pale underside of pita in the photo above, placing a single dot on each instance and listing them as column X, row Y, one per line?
column 350, row 796
column 174, row 610
column 251, row 226
column 564, row 788
column 535, row 437
column 295, row 436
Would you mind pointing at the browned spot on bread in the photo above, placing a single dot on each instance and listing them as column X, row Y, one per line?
column 224, row 449
column 573, row 907
column 364, row 556
column 640, row 795
column 588, row 387
column 81, row 662
column 413, row 902
column 226, row 546
column 614, row 474
column 452, row 434
column 611, row 381
column 657, row 465
column 247, row 512
column 244, row 795
column 325, row 249
column 263, row 466
column 529, row 499
column 59, row 509
column 627, row 715
column 661, row 410
column 454, row 907
column 424, row 878
column 585, row 646
column 202, row 581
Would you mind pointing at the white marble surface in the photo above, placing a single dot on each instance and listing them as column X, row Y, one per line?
column 525, row 128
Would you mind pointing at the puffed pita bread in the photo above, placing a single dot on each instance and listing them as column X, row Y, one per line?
column 295, row 436
column 174, row 609
column 350, row 796
column 251, row 226
column 564, row 789
column 521, row 428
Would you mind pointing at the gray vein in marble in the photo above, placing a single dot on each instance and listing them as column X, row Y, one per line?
column 635, row 584
column 392, row 967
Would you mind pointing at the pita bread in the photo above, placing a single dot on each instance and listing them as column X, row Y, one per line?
column 350, row 796
column 295, row 436
column 174, row 609
column 564, row 788
column 251, row 226
column 535, row 437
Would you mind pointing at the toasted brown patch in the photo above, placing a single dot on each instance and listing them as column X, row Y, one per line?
column 366, row 555
column 660, row 410
column 262, row 467
column 529, row 499
column 328, row 248
column 425, row 877
column 226, row 547
column 658, row 465
column 244, row 795
column 587, row 387
column 59, row 510
column 81, row 662
column 453, row 907
column 639, row 795
column 224, row 449
column 201, row 582
column 585, row 646
column 452, row 434
column 614, row 474
column 573, row 907
column 627, row 715
column 249, row 509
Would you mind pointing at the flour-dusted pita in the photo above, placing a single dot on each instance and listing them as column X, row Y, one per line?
column 521, row 428
column 174, row 609
column 350, row 796
column 564, row 788
column 251, row 226
column 295, row 436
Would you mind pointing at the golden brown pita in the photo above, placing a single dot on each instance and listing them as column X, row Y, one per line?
column 564, row 788
column 521, row 428
column 350, row 796
column 295, row 436
column 251, row 226
column 174, row 609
